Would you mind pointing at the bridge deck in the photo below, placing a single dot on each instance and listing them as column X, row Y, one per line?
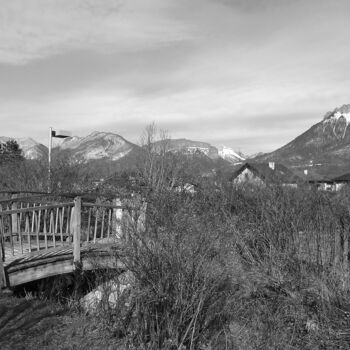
column 28, row 266
column 17, row 252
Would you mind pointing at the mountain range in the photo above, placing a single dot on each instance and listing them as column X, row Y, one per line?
column 97, row 145
column 323, row 149
column 110, row 146
column 31, row 149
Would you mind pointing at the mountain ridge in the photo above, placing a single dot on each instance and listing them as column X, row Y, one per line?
column 98, row 145
column 31, row 148
column 325, row 144
column 112, row 146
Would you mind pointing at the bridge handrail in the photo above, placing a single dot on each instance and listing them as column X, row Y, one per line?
column 110, row 206
column 39, row 207
column 74, row 223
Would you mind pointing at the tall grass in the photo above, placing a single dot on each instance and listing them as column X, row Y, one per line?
column 244, row 268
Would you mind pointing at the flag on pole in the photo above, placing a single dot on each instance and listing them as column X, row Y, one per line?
column 61, row 133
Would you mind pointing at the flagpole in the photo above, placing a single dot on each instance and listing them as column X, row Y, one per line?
column 49, row 173
column 62, row 134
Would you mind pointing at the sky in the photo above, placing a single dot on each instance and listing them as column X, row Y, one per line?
column 247, row 74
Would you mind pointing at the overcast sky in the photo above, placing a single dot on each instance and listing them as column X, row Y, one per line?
column 248, row 74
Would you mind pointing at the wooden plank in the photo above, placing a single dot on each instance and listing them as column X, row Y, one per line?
column 109, row 222
column 117, row 219
column 88, row 226
column 102, row 223
column 2, row 268
column 14, row 221
column 2, row 242
column 51, row 224
column 95, row 230
column 43, row 271
column 27, row 230
column 41, row 207
column 77, row 229
column 11, row 238
column 33, row 220
column 45, row 229
column 61, row 267
column 20, row 218
column 38, row 229
column 19, row 232
column 69, row 211
column 53, row 227
column 100, row 205
column 61, row 224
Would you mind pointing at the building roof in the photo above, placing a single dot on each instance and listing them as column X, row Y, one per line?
column 342, row 178
column 280, row 174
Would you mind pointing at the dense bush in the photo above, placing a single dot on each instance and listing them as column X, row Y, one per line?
column 248, row 268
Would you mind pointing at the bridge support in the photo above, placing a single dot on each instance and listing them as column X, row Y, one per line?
column 76, row 230
column 2, row 268
column 2, row 271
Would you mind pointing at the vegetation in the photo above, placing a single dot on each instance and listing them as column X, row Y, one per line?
column 244, row 267
column 10, row 151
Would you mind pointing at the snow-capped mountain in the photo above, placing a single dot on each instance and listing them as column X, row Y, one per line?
column 31, row 149
column 337, row 123
column 111, row 146
column 188, row 147
column 325, row 143
column 97, row 145
column 230, row 155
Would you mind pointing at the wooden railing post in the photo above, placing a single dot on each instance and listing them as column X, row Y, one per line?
column 76, row 229
column 2, row 257
column 14, row 222
column 2, row 269
column 117, row 219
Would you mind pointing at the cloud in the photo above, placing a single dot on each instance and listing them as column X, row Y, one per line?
column 249, row 73
column 41, row 28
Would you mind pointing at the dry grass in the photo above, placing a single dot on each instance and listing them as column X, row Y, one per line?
column 243, row 269
column 36, row 324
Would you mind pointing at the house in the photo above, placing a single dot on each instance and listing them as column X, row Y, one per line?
column 341, row 181
column 328, row 184
column 323, row 184
column 264, row 174
column 320, row 182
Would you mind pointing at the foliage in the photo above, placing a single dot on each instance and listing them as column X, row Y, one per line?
column 245, row 268
column 26, row 175
column 228, row 267
column 10, row 152
column 182, row 287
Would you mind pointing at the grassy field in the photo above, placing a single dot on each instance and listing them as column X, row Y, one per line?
column 37, row 324
column 237, row 268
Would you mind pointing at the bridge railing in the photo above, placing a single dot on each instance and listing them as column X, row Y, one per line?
column 34, row 227
column 37, row 227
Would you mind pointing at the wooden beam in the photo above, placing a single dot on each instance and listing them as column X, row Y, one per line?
column 14, row 222
column 38, row 272
column 101, row 205
column 2, row 270
column 41, row 207
column 117, row 217
column 61, row 267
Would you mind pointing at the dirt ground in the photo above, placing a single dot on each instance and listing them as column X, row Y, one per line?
column 27, row 323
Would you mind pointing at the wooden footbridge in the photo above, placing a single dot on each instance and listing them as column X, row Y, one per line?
column 47, row 239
